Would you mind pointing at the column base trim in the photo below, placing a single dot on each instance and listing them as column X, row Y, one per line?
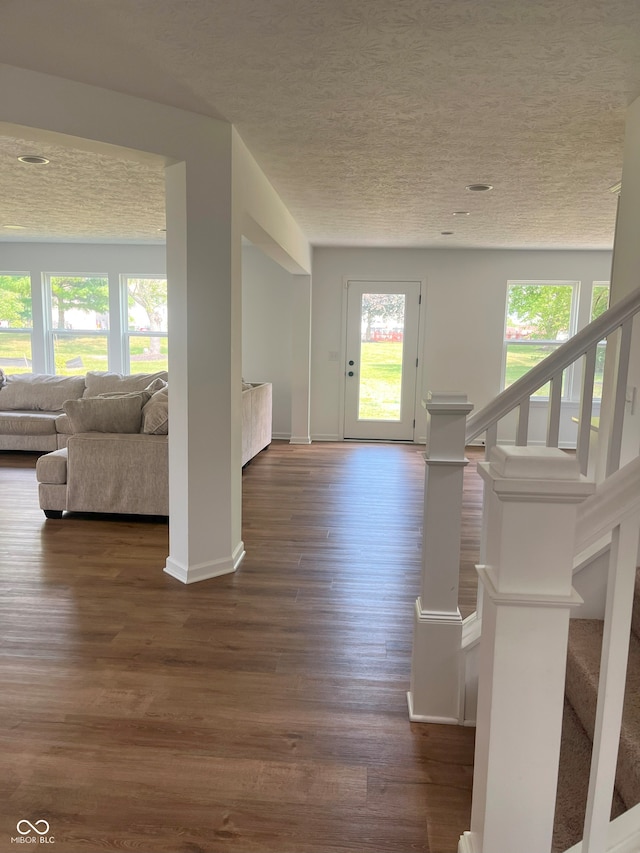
column 437, row 617
column 426, row 718
column 524, row 599
column 299, row 439
column 466, row 845
column 205, row 571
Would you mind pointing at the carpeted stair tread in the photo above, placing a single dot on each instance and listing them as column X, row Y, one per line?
column 583, row 668
column 573, row 783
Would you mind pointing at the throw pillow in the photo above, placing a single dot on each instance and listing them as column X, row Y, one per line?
column 145, row 396
column 105, row 414
column 155, row 414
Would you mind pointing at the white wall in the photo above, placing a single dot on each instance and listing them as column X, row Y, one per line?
column 462, row 316
column 266, row 331
column 82, row 258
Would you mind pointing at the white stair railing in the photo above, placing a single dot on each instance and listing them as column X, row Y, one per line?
column 539, row 515
column 614, row 509
column 583, row 345
column 438, row 682
column 437, row 691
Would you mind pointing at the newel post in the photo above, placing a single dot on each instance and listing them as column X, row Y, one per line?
column 531, row 497
column 435, row 694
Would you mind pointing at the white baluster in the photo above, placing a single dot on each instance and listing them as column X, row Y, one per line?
column 622, row 370
column 586, row 408
column 555, row 405
column 612, row 682
column 522, row 432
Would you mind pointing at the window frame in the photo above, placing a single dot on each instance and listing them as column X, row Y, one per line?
column 602, row 345
column 570, row 383
column 25, row 330
column 50, row 331
column 127, row 334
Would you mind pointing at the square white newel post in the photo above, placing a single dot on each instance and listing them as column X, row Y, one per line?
column 435, row 695
column 531, row 497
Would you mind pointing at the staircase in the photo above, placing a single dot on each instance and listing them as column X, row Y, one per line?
column 578, row 726
column 606, row 549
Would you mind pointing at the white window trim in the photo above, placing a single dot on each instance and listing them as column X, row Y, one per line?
column 126, row 332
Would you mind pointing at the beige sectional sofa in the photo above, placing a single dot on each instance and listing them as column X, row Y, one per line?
column 108, row 439
column 29, row 407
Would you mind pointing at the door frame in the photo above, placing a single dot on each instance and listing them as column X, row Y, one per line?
column 419, row 432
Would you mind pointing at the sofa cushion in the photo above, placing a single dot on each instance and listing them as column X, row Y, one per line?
column 107, row 383
column 63, row 425
column 105, row 414
column 155, row 414
column 39, row 392
column 27, row 423
column 52, row 467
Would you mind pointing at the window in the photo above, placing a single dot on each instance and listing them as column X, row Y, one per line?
column 599, row 304
column 78, row 322
column 16, row 322
column 540, row 317
column 145, row 301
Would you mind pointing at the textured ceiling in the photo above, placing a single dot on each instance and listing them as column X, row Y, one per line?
column 368, row 116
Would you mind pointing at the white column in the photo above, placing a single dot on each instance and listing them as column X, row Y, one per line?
column 301, row 357
column 532, row 494
column 435, row 694
column 204, row 365
column 625, row 277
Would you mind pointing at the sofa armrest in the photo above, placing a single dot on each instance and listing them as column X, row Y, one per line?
column 118, row 473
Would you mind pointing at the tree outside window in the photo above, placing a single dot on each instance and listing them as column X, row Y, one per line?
column 147, row 323
column 599, row 304
column 79, row 322
column 539, row 318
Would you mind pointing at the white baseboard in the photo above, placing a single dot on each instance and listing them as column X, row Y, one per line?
column 321, row 436
column 281, row 436
column 422, row 718
column 299, row 439
column 205, row 571
column 466, row 845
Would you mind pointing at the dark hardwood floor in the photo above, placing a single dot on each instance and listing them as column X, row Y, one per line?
column 263, row 711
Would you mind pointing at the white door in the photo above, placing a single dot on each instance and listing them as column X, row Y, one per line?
column 382, row 359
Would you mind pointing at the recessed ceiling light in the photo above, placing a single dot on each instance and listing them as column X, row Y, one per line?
column 446, row 233
column 460, row 213
column 15, row 227
column 33, row 160
column 479, row 188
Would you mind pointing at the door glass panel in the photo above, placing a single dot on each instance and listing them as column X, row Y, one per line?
column 381, row 347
